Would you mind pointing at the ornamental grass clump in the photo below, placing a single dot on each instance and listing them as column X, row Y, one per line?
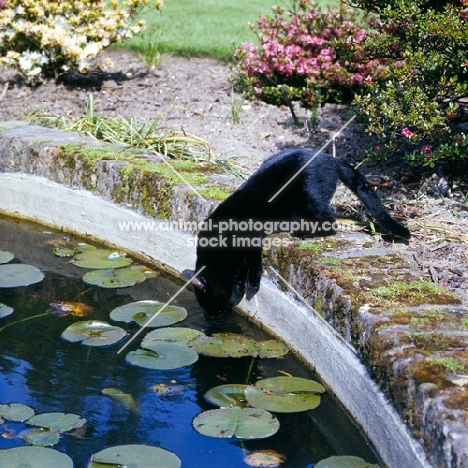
column 421, row 110
column 43, row 38
column 296, row 58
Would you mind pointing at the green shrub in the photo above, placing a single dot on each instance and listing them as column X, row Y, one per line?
column 47, row 38
column 297, row 60
column 420, row 109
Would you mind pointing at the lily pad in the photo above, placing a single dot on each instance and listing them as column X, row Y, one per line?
column 65, row 309
column 235, row 345
column 94, row 333
column 174, row 335
column 227, row 395
column 284, row 394
column 41, row 436
column 61, row 422
column 18, row 274
column 143, row 311
column 5, row 311
column 34, row 457
column 16, row 412
column 162, row 356
column 242, row 423
column 121, row 278
column 125, row 399
column 101, row 259
column 5, row 256
column 135, row 456
column 271, row 349
column 224, row 345
column 265, row 458
column 64, row 252
column 344, row 462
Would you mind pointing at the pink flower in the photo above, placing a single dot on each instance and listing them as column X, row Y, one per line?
column 426, row 150
column 407, row 132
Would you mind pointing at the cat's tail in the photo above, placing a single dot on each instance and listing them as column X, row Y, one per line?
column 359, row 185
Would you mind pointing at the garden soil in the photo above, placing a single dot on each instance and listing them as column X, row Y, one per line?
column 196, row 95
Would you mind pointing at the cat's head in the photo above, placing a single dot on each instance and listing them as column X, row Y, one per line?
column 213, row 292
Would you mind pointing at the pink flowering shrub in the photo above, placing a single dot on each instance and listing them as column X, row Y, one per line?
column 296, row 58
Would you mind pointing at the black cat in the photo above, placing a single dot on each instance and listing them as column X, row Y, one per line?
column 230, row 243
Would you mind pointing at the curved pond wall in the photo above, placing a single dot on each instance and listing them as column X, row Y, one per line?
column 36, row 184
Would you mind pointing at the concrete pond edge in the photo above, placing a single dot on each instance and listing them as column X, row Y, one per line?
column 44, row 177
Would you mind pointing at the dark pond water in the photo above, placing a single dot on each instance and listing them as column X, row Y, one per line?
column 43, row 371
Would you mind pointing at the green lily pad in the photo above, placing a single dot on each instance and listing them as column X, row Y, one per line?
column 41, row 436
column 135, row 456
column 121, row 278
column 143, row 311
column 224, row 345
column 176, row 335
column 5, row 256
column 125, row 399
column 16, row 412
column 227, row 396
column 61, row 422
column 235, row 345
column 17, row 274
column 271, row 349
column 101, row 259
column 64, row 252
column 94, row 333
column 284, row 394
column 34, row 457
column 242, row 423
column 5, row 311
column 344, row 462
column 162, row 356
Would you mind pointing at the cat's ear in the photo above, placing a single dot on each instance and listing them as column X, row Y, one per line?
column 198, row 283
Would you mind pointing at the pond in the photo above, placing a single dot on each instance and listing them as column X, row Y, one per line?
column 127, row 404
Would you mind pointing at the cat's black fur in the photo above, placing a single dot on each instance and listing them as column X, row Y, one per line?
column 307, row 197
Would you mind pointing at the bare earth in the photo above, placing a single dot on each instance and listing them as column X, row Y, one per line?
column 195, row 94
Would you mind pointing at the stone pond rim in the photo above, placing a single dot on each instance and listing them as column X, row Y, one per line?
column 47, row 173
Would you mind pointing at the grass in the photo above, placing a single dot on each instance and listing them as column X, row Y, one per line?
column 199, row 28
column 131, row 132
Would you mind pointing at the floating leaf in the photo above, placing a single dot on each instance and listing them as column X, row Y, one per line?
column 135, row 456
column 162, row 356
column 284, row 394
column 94, row 333
column 271, row 349
column 101, row 259
column 64, row 252
column 16, row 412
column 61, row 422
column 125, row 399
column 122, row 278
column 75, row 309
column 142, row 311
column 34, row 457
column 176, row 335
column 18, row 274
column 243, row 423
column 5, row 256
column 344, row 462
column 5, row 311
column 235, row 345
column 224, row 345
column 41, row 436
column 265, row 458
column 148, row 272
column 227, row 395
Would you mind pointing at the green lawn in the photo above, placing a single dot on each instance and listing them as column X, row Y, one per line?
column 203, row 27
